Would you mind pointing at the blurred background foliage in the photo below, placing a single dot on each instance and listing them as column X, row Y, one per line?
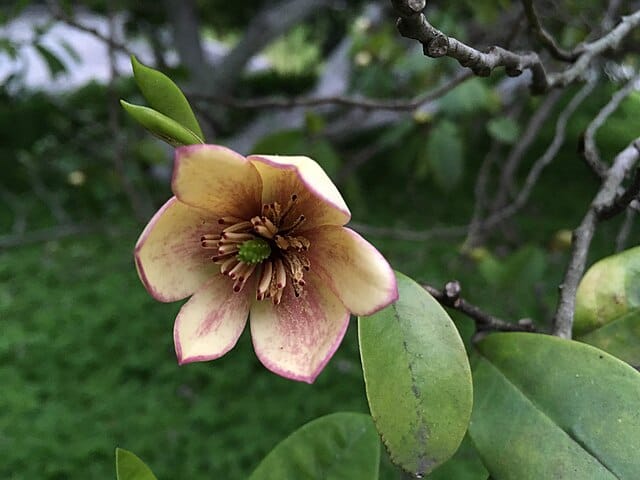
column 86, row 356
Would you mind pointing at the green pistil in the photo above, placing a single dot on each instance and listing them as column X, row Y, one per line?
column 254, row 251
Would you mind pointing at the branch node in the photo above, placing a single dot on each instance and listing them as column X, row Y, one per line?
column 408, row 8
column 437, row 47
column 452, row 290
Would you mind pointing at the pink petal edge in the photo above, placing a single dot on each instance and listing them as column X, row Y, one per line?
column 345, row 211
column 182, row 360
column 141, row 242
column 301, row 378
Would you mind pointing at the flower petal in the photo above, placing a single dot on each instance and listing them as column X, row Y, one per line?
column 168, row 256
column 354, row 270
column 216, row 179
column 210, row 323
column 318, row 198
column 297, row 338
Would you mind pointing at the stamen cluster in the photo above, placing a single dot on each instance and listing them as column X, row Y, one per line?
column 266, row 244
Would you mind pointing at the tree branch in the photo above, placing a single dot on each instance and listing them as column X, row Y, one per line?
column 413, row 24
column 341, row 100
column 58, row 13
column 449, row 297
column 591, row 50
column 590, row 149
column 545, row 37
column 531, row 131
column 582, row 236
column 542, row 162
column 410, row 235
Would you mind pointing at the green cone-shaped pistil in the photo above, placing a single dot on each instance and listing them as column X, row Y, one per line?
column 254, row 251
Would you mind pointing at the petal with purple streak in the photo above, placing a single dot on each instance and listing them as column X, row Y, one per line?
column 210, row 323
column 296, row 338
column 354, row 270
column 168, row 256
column 318, row 198
column 216, row 179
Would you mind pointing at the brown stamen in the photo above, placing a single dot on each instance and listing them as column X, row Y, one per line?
column 243, row 226
column 286, row 263
column 229, row 220
column 265, row 279
column 281, row 274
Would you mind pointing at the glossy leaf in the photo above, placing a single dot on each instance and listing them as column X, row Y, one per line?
column 165, row 96
column 340, row 446
column 620, row 337
column 417, row 378
column 608, row 290
column 464, row 465
column 130, row 467
column 160, row 125
column 608, row 306
column 552, row 408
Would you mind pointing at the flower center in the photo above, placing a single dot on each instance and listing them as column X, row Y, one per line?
column 254, row 251
column 266, row 244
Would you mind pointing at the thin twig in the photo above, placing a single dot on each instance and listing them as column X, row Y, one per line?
column 343, row 100
column 545, row 38
column 410, row 235
column 141, row 209
column 450, row 297
column 480, row 195
column 582, row 236
column 590, row 149
column 58, row 13
column 625, row 229
column 531, row 131
column 542, row 162
column 591, row 50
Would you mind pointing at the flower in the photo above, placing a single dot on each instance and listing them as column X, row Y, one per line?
column 260, row 237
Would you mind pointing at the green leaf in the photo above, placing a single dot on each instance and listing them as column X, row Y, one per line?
column 608, row 306
column 549, row 408
column 417, row 378
column 464, row 465
column 607, row 291
column 503, row 129
column 54, row 64
column 444, row 151
column 470, row 97
column 160, row 125
column 165, row 96
column 340, row 446
column 621, row 337
column 130, row 467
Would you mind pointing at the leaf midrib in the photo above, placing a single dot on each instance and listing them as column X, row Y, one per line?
column 530, row 401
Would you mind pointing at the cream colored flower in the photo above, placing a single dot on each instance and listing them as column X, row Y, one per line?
column 260, row 237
